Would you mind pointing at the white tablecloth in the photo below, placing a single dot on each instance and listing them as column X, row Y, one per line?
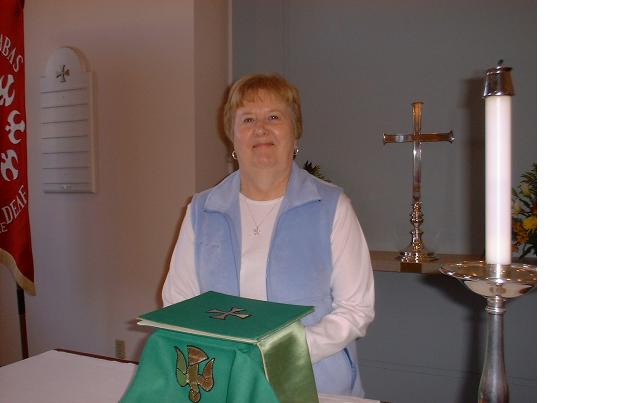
column 59, row 377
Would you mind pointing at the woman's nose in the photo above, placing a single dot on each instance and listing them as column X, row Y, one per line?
column 260, row 127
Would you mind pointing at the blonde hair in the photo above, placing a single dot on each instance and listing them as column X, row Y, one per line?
column 247, row 89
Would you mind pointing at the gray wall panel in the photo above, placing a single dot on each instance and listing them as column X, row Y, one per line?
column 359, row 65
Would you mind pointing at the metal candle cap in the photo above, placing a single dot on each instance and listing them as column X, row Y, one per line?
column 498, row 81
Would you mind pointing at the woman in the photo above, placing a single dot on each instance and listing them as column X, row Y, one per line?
column 271, row 231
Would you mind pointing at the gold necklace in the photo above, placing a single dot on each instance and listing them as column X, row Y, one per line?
column 256, row 229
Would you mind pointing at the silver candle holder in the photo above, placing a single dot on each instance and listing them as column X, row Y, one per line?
column 497, row 283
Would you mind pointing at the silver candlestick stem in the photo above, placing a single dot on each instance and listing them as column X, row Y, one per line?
column 496, row 283
column 416, row 252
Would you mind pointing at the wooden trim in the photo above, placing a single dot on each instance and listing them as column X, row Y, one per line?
column 102, row 357
column 386, row 261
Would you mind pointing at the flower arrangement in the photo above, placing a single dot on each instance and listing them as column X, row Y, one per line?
column 525, row 214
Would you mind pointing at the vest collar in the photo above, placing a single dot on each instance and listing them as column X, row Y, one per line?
column 301, row 189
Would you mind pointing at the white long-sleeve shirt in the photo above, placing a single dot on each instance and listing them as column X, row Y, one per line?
column 351, row 279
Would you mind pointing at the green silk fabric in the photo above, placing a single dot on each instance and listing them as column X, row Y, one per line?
column 238, row 369
column 288, row 366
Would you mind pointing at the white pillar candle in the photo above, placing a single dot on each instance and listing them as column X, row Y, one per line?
column 498, row 179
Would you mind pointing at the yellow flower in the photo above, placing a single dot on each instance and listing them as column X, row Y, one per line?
column 521, row 233
column 530, row 223
column 517, row 207
column 524, row 213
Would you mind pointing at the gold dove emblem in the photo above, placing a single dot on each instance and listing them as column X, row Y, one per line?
column 187, row 371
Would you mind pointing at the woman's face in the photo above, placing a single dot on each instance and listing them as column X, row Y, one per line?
column 263, row 133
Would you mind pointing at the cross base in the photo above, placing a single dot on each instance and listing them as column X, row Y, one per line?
column 415, row 252
column 421, row 256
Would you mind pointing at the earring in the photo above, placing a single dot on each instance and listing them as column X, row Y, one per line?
column 234, row 155
column 296, row 151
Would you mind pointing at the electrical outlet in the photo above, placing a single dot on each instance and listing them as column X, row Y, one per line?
column 120, row 352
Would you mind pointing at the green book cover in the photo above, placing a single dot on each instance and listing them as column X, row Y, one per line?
column 226, row 316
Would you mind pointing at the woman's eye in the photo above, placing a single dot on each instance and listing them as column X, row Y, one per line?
column 274, row 117
column 247, row 120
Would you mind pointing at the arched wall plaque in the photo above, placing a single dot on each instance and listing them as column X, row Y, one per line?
column 66, row 124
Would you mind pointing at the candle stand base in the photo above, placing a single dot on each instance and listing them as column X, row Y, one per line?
column 415, row 252
column 418, row 256
column 496, row 283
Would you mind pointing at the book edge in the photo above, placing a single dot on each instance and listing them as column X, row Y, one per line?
column 146, row 322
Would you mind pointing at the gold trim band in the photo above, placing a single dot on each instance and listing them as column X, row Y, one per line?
column 9, row 262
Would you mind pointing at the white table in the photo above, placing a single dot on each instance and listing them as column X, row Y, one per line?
column 62, row 377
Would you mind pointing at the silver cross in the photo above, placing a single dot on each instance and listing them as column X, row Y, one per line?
column 416, row 253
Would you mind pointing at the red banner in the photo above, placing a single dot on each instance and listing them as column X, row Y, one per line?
column 15, row 231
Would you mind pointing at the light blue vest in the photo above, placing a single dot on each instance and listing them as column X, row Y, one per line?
column 299, row 264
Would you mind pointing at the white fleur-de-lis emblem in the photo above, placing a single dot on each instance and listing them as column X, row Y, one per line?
column 63, row 74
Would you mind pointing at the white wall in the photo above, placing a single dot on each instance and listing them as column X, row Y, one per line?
column 211, row 79
column 100, row 259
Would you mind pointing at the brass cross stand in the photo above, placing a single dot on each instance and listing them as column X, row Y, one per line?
column 415, row 252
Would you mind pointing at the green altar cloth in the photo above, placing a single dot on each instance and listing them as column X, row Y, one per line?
column 221, row 348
